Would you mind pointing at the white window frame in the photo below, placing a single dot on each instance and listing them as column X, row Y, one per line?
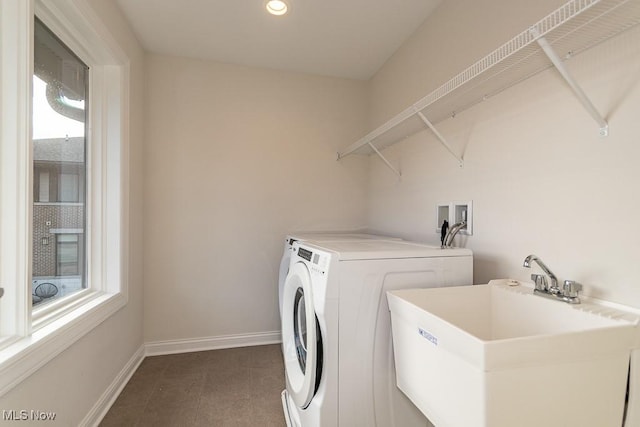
column 29, row 338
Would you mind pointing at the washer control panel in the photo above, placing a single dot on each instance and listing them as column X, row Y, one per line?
column 305, row 253
column 318, row 262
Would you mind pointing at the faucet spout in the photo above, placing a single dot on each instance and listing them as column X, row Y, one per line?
column 554, row 280
column 568, row 293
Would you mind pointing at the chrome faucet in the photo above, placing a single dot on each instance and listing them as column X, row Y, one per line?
column 568, row 293
column 540, row 281
column 448, row 239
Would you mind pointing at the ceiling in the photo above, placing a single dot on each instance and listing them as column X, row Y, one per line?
column 341, row 38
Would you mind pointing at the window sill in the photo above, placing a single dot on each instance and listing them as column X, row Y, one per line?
column 81, row 204
column 26, row 355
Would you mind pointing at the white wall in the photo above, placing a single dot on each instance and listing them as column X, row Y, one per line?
column 73, row 382
column 236, row 157
column 541, row 179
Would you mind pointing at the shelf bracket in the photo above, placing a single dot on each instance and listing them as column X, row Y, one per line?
column 386, row 162
column 577, row 90
column 438, row 135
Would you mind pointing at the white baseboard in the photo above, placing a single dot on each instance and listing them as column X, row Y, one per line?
column 157, row 348
column 102, row 406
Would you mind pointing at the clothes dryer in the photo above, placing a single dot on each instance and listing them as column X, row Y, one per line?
column 336, row 328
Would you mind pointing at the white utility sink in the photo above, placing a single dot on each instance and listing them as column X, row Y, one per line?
column 498, row 356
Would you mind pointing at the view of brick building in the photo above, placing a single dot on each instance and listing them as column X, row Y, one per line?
column 58, row 214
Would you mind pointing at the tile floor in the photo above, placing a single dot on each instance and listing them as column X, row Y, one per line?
column 231, row 387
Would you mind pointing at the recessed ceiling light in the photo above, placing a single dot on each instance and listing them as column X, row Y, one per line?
column 277, row 7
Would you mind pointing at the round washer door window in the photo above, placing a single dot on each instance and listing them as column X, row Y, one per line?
column 299, row 335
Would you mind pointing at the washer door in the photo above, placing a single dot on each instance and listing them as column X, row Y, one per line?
column 284, row 271
column 299, row 335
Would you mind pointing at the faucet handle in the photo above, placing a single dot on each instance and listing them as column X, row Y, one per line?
column 540, row 280
column 571, row 288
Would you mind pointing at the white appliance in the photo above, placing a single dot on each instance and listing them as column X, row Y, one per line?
column 316, row 237
column 336, row 328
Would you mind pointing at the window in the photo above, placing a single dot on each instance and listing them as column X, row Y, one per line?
column 63, row 185
column 59, row 145
column 69, row 255
column 57, row 183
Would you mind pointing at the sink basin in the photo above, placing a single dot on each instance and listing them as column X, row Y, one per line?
column 497, row 355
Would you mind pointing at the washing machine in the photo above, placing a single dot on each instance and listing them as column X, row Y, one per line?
column 336, row 328
column 317, row 237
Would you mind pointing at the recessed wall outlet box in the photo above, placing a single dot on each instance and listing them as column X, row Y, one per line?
column 442, row 214
column 455, row 212
column 463, row 211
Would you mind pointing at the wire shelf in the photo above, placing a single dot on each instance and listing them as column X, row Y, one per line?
column 571, row 29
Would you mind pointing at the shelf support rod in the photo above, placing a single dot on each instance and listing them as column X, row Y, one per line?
column 439, row 136
column 386, row 162
column 582, row 97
